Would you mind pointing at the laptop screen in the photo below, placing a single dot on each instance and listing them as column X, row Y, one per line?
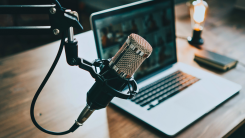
column 153, row 20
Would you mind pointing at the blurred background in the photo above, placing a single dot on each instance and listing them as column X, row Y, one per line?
column 12, row 44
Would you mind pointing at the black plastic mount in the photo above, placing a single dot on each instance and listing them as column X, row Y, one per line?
column 73, row 60
column 113, row 91
column 109, row 85
column 60, row 19
column 88, row 66
column 196, row 39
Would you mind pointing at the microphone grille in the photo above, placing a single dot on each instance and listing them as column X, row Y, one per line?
column 141, row 43
column 130, row 56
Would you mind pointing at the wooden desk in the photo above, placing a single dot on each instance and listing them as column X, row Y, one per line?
column 64, row 96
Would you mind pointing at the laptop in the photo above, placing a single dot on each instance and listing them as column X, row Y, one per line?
column 172, row 95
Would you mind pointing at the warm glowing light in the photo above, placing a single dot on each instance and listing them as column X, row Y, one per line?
column 199, row 13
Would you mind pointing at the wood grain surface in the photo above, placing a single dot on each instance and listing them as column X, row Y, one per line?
column 61, row 100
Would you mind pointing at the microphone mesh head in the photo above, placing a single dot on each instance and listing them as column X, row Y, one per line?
column 130, row 56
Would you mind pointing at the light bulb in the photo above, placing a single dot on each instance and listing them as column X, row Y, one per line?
column 198, row 12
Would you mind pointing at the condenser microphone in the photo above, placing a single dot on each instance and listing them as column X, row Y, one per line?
column 116, row 73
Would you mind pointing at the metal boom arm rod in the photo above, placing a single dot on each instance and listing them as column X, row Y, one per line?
column 60, row 19
column 25, row 9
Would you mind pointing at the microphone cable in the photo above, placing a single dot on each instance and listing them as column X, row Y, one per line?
column 75, row 126
column 57, row 4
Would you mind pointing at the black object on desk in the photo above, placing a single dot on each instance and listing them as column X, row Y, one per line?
column 215, row 60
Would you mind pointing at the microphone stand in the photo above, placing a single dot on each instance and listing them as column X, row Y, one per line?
column 71, row 49
column 63, row 20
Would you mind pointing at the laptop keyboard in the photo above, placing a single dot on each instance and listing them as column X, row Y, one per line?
column 155, row 93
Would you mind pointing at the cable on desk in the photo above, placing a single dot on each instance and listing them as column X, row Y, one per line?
column 40, row 89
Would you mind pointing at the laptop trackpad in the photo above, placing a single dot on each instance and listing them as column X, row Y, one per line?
column 196, row 99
